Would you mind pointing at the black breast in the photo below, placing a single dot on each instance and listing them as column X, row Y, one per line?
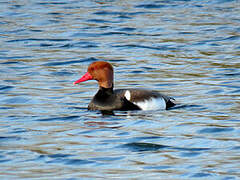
column 107, row 99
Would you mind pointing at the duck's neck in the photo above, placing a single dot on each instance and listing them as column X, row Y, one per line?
column 103, row 94
column 106, row 84
column 106, row 90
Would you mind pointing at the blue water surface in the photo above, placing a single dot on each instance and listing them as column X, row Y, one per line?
column 187, row 49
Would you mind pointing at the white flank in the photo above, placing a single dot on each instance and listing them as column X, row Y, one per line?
column 127, row 95
column 151, row 104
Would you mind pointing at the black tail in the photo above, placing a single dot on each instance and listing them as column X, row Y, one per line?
column 170, row 103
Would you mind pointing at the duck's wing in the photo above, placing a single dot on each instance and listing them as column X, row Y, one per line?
column 146, row 99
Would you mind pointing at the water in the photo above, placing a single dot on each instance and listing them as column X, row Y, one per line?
column 189, row 50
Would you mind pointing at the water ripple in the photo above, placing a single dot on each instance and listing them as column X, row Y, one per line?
column 186, row 49
column 37, row 39
column 161, row 48
column 215, row 130
column 70, row 62
column 60, row 118
column 5, row 88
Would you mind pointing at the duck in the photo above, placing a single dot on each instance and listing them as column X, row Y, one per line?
column 109, row 99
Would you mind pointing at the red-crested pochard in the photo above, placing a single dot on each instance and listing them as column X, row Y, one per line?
column 108, row 99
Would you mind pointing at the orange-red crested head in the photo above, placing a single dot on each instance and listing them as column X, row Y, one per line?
column 100, row 71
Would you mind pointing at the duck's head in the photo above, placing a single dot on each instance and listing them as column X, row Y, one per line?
column 100, row 71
